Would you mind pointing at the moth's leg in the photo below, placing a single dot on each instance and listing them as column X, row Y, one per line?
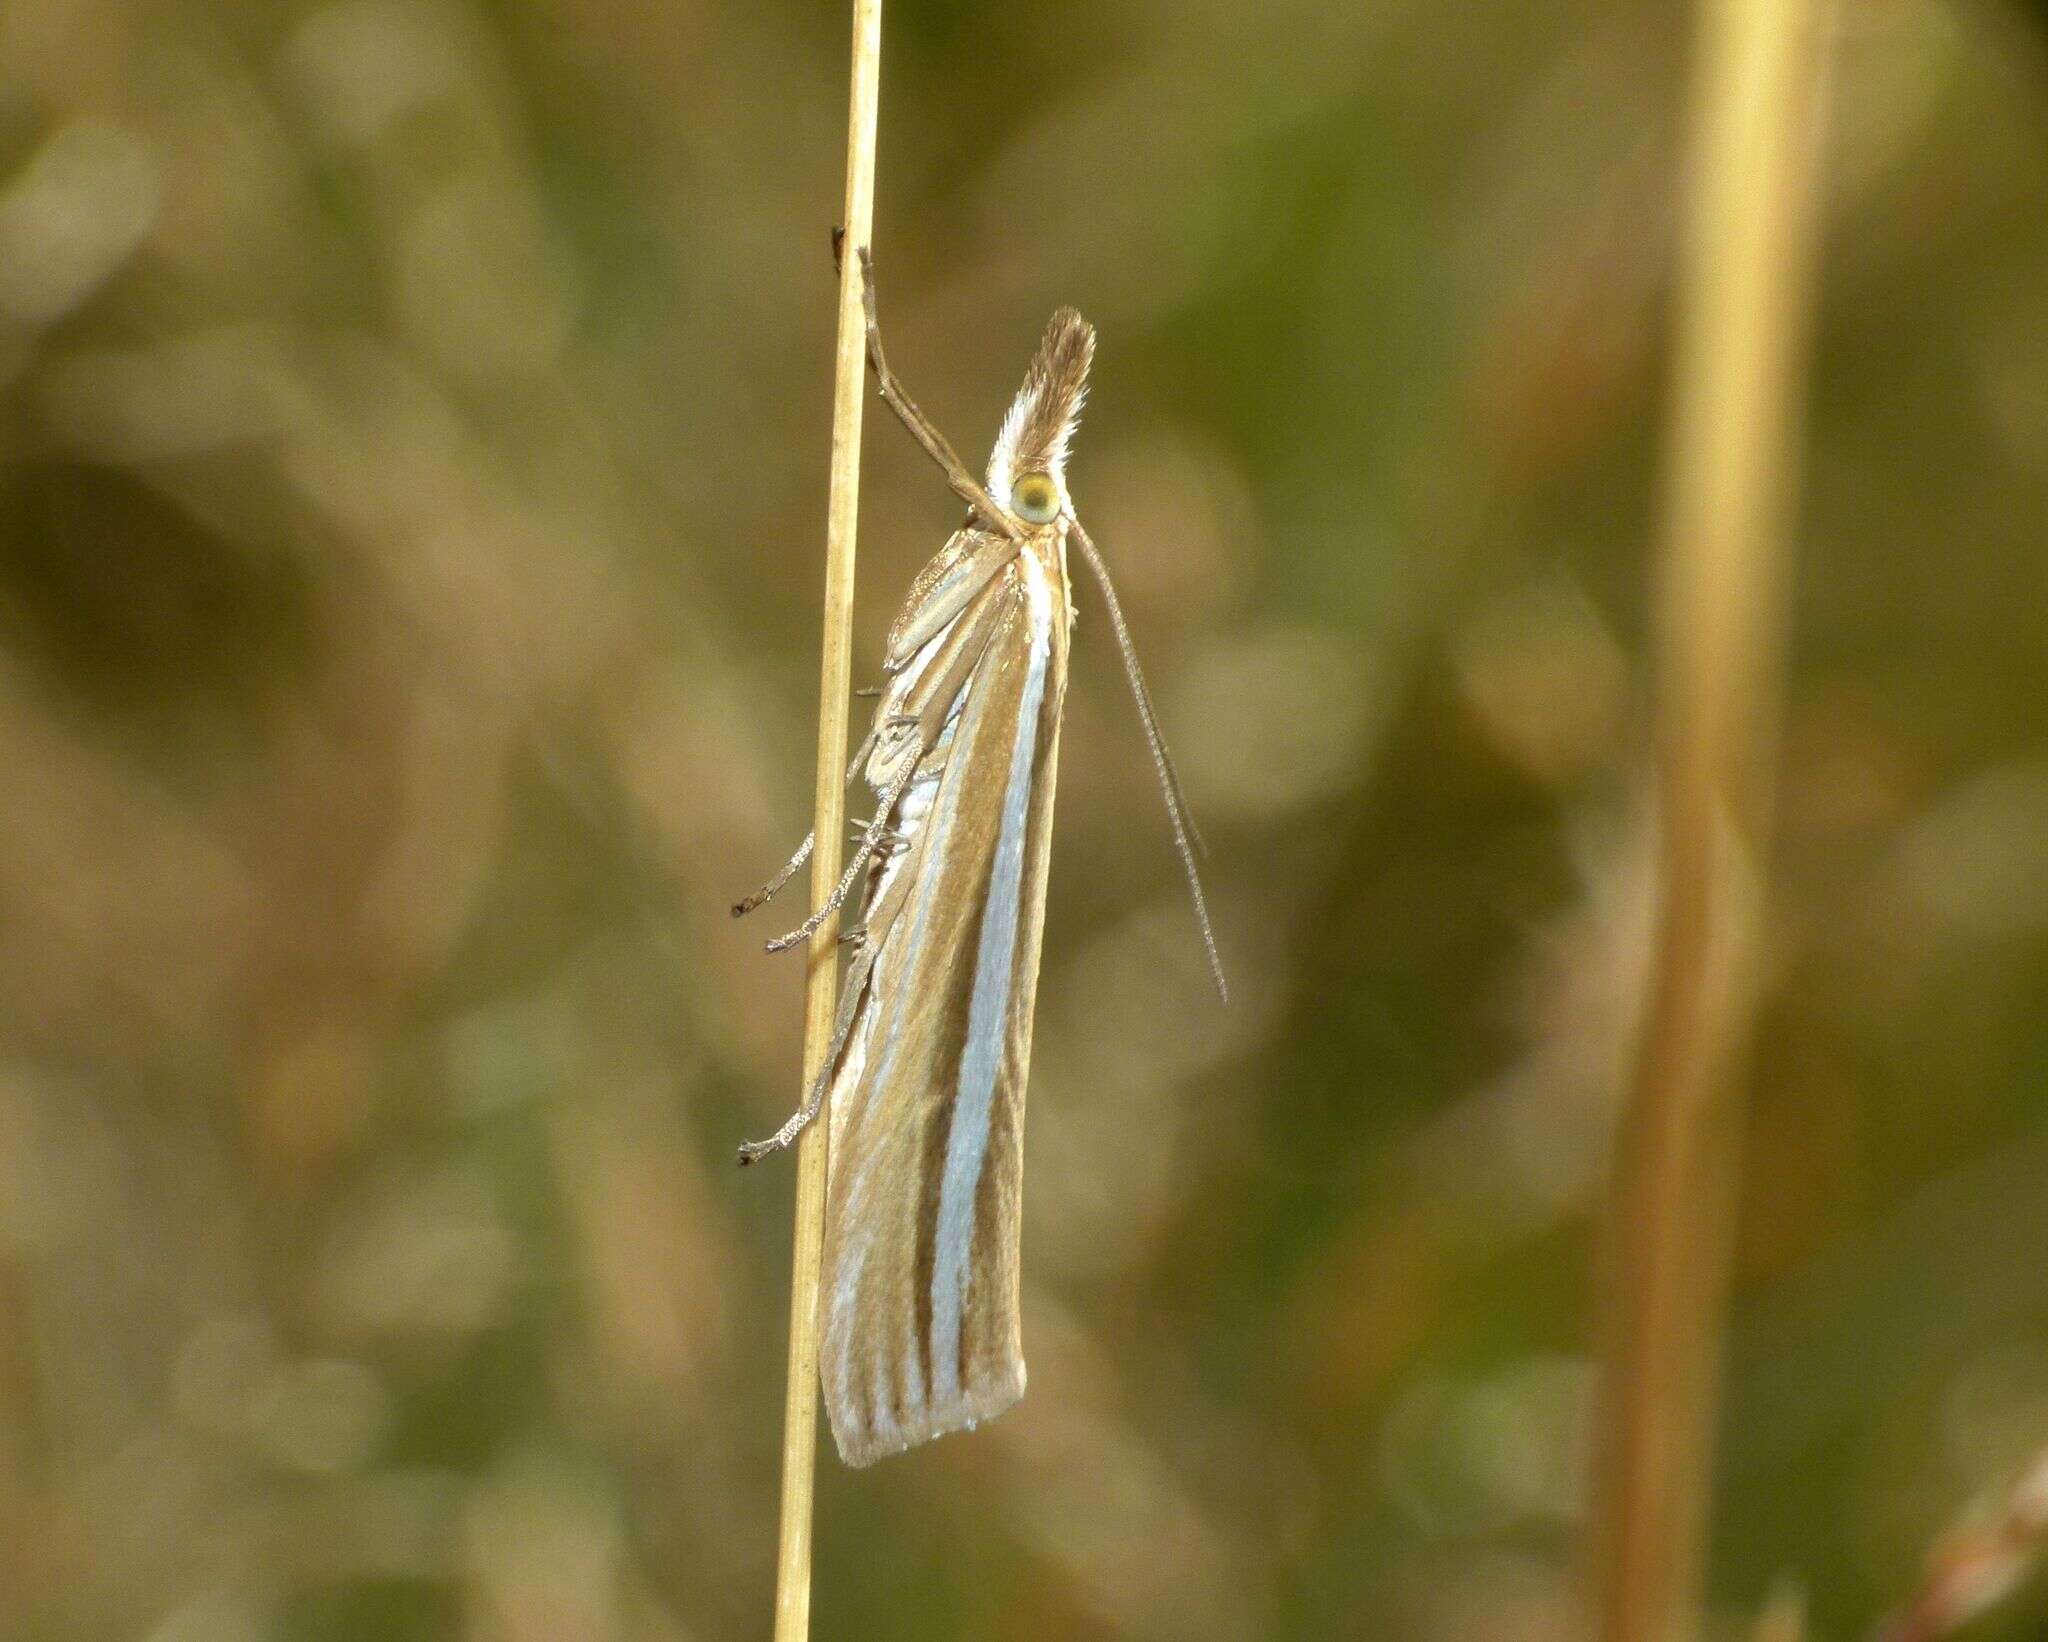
column 890, row 728
column 964, row 484
column 872, row 837
column 890, row 841
column 860, row 754
column 768, row 891
column 867, row 939
column 857, row 972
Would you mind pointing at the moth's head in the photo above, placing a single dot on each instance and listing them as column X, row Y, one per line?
column 1027, row 472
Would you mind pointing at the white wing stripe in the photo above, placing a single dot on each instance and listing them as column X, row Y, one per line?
column 987, row 1014
column 853, row 1210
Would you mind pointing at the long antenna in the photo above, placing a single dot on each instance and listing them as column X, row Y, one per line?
column 1185, row 838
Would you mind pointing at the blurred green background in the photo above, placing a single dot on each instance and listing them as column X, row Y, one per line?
column 413, row 431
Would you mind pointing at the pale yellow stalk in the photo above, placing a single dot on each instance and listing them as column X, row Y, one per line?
column 1744, row 299
column 800, row 1415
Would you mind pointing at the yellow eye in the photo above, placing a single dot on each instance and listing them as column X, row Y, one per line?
column 1036, row 498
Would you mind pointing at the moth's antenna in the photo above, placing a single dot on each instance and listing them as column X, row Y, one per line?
column 1162, row 760
column 1185, row 838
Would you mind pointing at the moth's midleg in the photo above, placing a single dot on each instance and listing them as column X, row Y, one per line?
column 847, row 879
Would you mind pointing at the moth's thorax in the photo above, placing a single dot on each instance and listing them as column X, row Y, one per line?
column 1048, row 545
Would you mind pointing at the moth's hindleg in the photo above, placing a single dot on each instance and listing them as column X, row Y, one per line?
column 855, row 986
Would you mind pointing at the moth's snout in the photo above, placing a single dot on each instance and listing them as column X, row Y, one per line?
column 1041, row 421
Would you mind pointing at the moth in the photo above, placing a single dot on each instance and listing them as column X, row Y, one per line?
column 924, row 1076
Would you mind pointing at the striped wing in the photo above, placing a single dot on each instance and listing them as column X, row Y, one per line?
column 919, row 1300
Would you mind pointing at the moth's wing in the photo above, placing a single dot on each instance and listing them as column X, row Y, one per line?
column 946, row 586
column 920, row 699
column 919, row 1303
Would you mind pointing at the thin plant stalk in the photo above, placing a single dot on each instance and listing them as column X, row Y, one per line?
column 800, row 1413
column 1744, row 302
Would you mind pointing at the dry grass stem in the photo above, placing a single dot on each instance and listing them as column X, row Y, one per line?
column 800, row 1414
column 1743, row 314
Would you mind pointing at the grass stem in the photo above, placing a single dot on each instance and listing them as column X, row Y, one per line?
column 1744, row 305
column 800, row 1413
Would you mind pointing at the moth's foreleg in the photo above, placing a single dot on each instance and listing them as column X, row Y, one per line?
column 768, row 891
column 935, row 443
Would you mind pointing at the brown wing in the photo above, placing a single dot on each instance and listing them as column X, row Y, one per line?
column 919, row 1301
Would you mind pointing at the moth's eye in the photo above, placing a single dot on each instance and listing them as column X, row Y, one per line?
column 1036, row 498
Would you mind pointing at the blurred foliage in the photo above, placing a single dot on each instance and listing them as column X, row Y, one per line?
column 413, row 422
